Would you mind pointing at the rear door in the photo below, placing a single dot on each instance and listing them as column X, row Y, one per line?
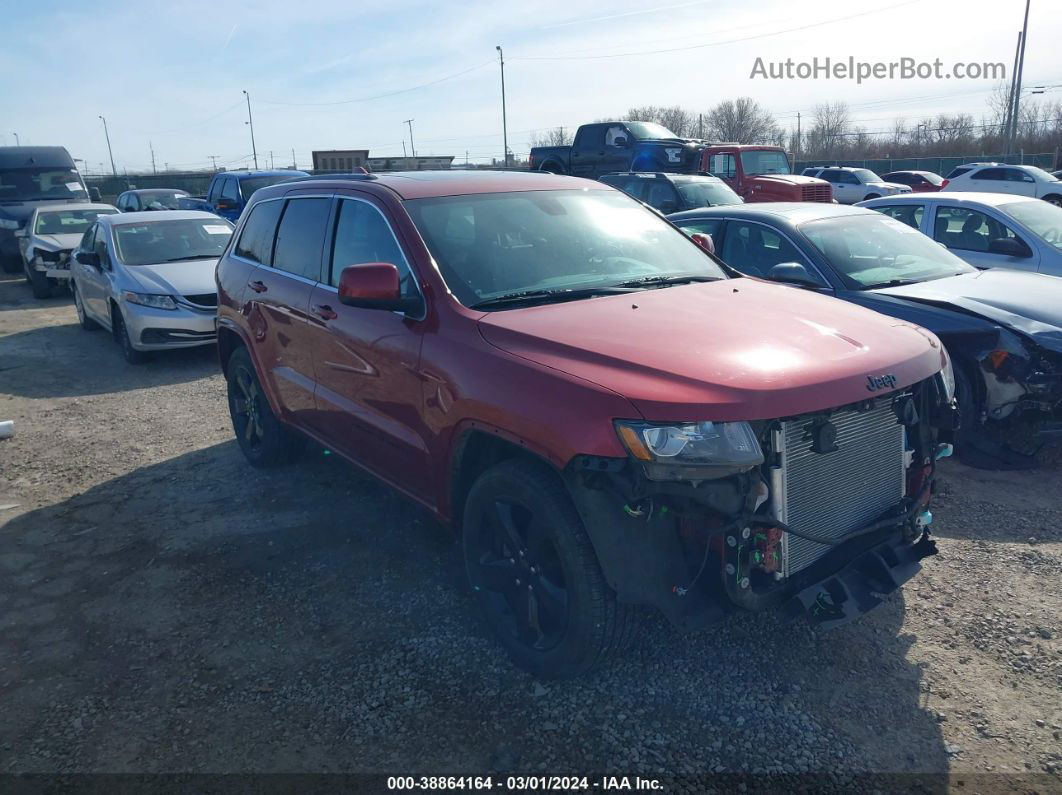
column 278, row 294
column 369, row 391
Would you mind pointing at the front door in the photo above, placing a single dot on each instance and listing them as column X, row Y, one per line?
column 369, row 392
column 969, row 234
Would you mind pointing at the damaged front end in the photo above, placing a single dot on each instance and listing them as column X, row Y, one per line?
column 821, row 514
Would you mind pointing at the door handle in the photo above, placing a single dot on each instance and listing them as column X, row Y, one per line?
column 324, row 311
column 258, row 287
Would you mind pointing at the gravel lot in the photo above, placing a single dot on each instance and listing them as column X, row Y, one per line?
column 165, row 608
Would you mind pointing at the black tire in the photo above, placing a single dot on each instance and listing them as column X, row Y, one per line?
column 1054, row 199
column 39, row 283
column 265, row 441
column 121, row 336
column 83, row 320
column 520, row 532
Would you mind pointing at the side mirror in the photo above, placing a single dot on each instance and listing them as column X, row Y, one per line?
column 94, row 194
column 88, row 258
column 226, row 204
column 704, row 241
column 1008, row 247
column 374, row 285
column 793, row 273
column 20, row 232
column 620, row 142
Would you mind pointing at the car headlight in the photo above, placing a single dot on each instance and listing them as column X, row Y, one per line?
column 947, row 378
column 147, row 299
column 691, row 451
column 9, row 223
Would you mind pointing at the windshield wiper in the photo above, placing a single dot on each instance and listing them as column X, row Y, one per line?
column 892, row 283
column 665, row 281
column 191, row 256
column 546, row 295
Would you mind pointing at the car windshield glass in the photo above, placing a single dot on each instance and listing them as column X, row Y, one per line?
column 1040, row 174
column 756, row 162
column 28, row 184
column 704, row 192
column 1042, row 219
column 497, row 244
column 866, row 175
column 642, row 130
column 153, row 242
column 161, row 199
column 67, row 222
column 250, row 184
column 870, row 251
column 932, row 179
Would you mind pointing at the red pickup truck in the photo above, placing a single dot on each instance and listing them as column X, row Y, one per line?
column 609, row 415
column 762, row 174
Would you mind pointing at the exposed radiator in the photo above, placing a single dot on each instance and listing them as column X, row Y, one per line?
column 817, row 193
column 832, row 494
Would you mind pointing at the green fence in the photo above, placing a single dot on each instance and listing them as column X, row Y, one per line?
column 938, row 165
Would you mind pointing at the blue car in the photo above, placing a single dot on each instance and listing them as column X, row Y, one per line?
column 230, row 191
column 1002, row 328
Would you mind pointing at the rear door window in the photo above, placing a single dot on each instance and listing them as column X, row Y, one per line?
column 990, row 173
column 256, row 239
column 229, row 189
column 300, row 237
column 703, row 226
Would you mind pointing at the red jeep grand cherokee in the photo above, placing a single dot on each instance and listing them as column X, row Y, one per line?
column 609, row 416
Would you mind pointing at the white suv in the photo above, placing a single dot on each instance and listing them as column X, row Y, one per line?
column 851, row 185
column 1000, row 178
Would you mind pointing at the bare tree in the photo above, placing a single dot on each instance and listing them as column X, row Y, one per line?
column 831, row 124
column 743, row 120
column 558, row 136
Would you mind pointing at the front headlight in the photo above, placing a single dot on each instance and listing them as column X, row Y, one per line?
column 8, row 223
column 947, row 378
column 146, row 299
column 691, row 451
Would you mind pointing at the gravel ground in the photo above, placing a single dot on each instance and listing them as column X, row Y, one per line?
column 165, row 608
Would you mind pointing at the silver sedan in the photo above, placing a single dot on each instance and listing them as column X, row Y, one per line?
column 148, row 277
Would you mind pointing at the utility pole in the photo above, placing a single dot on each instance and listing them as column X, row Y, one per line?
column 272, row 165
column 1010, row 95
column 114, row 171
column 1017, row 85
column 700, row 125
column 152, row 148
column 466, row 158
column 403, row 149
column 293, row 158
column 250, row 123
column 214, row 160
column 412, row 148
column 505, row 125
column 798, row 138
column 16, row 138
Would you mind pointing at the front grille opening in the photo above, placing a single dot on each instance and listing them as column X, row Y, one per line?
column 204, row 299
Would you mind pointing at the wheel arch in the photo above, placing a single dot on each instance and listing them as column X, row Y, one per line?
column 229, row 339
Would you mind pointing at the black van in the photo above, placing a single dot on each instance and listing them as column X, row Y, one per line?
column 29, row 177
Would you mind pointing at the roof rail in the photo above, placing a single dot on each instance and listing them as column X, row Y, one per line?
column 359, row 176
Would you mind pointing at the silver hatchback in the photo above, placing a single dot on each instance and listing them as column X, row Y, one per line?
column 148, row 277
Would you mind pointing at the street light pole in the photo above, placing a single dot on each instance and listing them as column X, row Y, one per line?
column 107, row 135
column 412, row 148
column 16, row 139
column 214, row 160
column 1014, row 119
column 505, row 125
column 250, row 122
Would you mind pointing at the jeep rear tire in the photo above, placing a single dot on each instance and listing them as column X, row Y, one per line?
column 265, row 441
column 534, row 573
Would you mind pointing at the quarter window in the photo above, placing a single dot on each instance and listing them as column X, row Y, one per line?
column 300, row 237
column 362, row 235
column 910, row 214
column 256, row 239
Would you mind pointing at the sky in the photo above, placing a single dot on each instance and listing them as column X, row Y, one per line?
column 346, row 74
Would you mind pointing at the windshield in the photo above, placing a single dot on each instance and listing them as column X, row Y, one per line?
column 866, row 175
column 1040, row 174
column 869, row 251
column 1042, row 219
column 29, row 184
column 67, row 222
column 705, row 192
column 931, row 178
column 642, row 130
column 250, row 184
column 161, row 199
column 490, row 245
column 152, row 242
column 764, row 162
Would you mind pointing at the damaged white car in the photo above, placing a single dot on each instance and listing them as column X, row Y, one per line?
column 51, row 233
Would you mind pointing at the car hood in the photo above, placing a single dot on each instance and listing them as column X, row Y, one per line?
column 1029, row 303
column 192, row 277
column 789, row 179
column 57, row 242
column 737, row 349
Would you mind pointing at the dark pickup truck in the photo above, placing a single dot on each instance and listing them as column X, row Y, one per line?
column 608, row 147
